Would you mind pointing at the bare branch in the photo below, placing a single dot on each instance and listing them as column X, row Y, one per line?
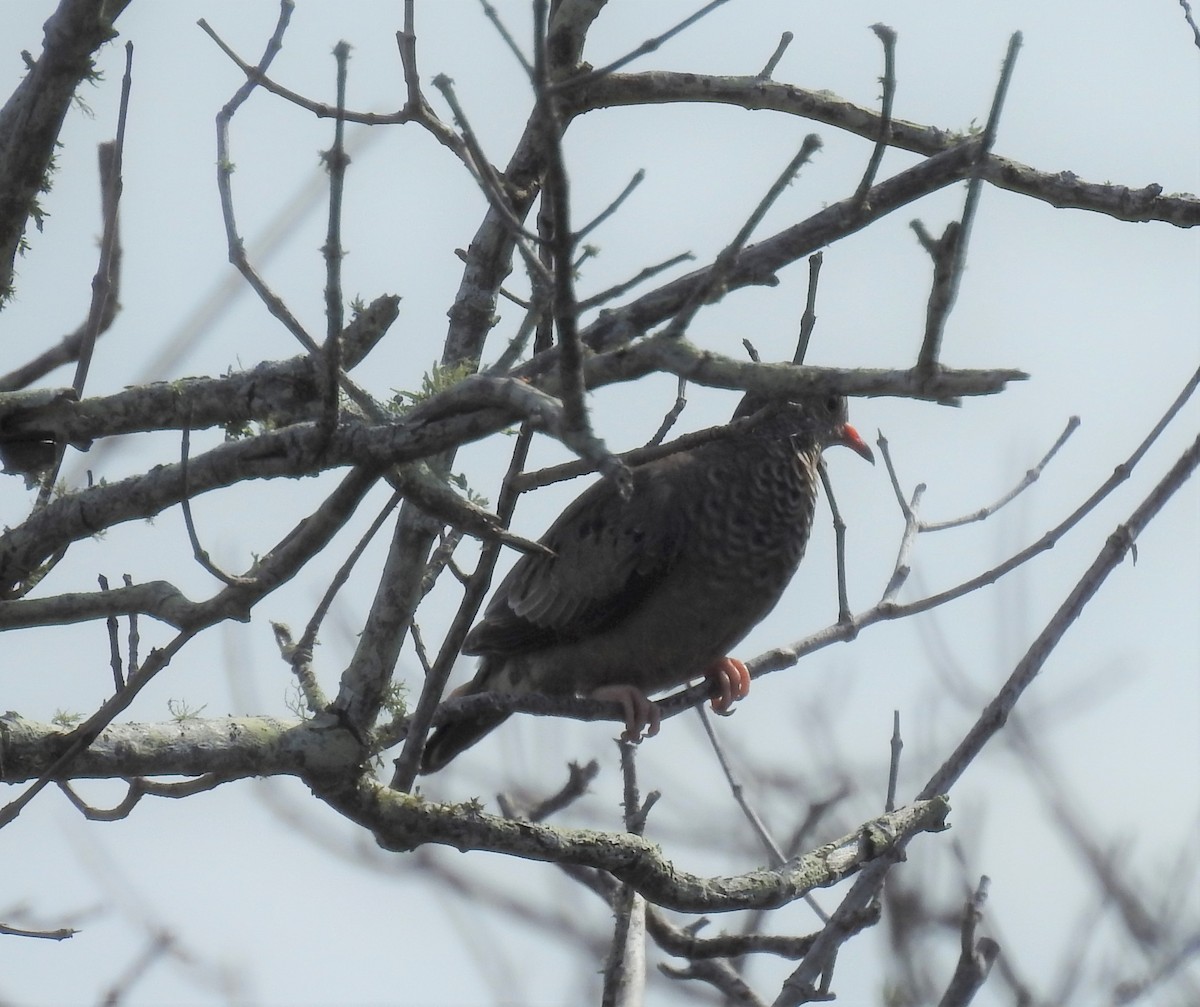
column 650, row 45
column 509, row 41
column 639, row 176
column 839, row 536
column 784, row 41
column 114, row 649
column 1058, row 188
column 953, row 249
column 713, row 279
column 975, row 958
column 185, row 504
column 1030, row 477
column 887, row 37
column 401, row 822
column 995, row 714
column 102, row 282
column 32, row 117
column 1191, row 21
column 422, row 719
column 643, row 275
column 62, row 934
column 808, row 321
column 69, row 347
column 894, row 763
column 336, row 161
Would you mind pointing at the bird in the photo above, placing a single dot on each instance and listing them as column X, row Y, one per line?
column 641, row 593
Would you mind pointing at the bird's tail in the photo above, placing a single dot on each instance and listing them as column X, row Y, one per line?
column 457, row 736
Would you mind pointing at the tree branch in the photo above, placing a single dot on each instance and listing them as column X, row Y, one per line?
column 403, row 822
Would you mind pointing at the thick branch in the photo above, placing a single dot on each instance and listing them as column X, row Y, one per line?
column 305, row 448
column 32, row 117
column 1061, row 189
column 230, row 747
column 401, row 822
column 278, row 392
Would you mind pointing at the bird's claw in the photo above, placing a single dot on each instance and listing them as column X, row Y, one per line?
column 641, row 715
column 730, row 680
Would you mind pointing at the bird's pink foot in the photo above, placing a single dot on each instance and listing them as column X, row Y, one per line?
column 641, row 715
column 730, row 682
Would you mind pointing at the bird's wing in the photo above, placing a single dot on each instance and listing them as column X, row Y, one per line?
column 608, row 554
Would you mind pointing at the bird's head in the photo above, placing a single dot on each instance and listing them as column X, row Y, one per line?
column 823, row 418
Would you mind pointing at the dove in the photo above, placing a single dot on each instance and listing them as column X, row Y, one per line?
column 641, row 594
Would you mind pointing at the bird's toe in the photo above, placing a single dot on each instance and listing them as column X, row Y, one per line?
column 641, row 715
column 730, row 681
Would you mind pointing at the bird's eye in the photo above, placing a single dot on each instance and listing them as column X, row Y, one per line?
column 831, row 404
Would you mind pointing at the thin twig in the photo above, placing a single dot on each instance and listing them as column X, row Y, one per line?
column 947, row 262
column 1027, row 480
column 625, row 969
column 1187, row 16
column 134, row 636
column 299, row 658
column 975, row 959
column 517, row 345
column 883, row 443
column 839, row 537
column 1050, row 538
column 336, row 161
column 714, row 279
column 913, row 525
column 579, row 778
column 415, row 109
column 775, row 854
column 137, row 789
column 185, row 504
column 89, row 730
column 650, row 45
column 897, row 746
column 887, row 36
column 561, row 246
column 672, row 415
column 309, row 638
column 639, row 176
column 637, row 456
column 406, row 42
column 114, row 647
column 102, row 289
column 784, row 41
column 773, row 849
column 486, row 177
column 441, row 559
column 61, row 934
column 643, row 275
column 721, row 977
column 421, row 720
column 418, row 639
column 908, row 539
column 808, row 320
column 101, row 286
column 509, row 41
column 927, row 359
column 225, row 167
column 1119, row 543
column 69, row 347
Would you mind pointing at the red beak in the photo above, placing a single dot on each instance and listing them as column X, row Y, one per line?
column 847, row 435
